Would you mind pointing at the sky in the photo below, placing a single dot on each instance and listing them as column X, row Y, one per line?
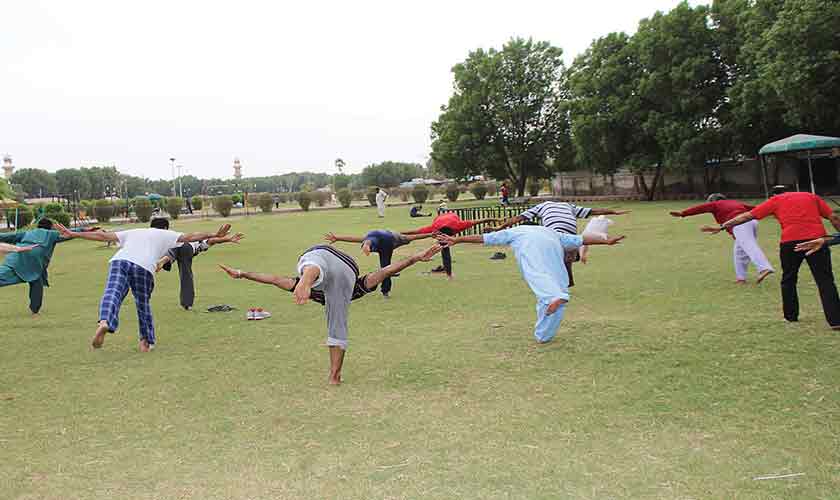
column 283, row 86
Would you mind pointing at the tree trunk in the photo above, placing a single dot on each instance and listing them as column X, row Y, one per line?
column 657, row 178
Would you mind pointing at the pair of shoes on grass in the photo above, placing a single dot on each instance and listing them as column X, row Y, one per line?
column 257, row 314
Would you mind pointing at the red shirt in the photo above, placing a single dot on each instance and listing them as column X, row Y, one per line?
column 800, row 215
column 448, row 220
column 722, row 210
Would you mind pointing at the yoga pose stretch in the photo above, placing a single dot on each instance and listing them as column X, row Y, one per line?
column 331, row 278
column 184, row 255
column 382, row 242
column 801, row 217
column 745, row 249
column 31, row 266
column 133, row 267
column 540, row 253
column 450, row 224
column 561, row 217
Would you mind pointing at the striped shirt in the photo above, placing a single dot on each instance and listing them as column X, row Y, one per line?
column 559, row 216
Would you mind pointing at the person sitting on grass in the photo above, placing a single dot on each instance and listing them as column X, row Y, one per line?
column 746, row 247
column 31, row 266
column 184, row 255
column 133, row 267
column 540, row 253
column 331, row 278
column 382, row 242
column 448, row 223
column 416, row 211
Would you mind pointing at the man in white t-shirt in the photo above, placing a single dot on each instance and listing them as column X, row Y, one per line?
column 133, row 268
column 381, row 196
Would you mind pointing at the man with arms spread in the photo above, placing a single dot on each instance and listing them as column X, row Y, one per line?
column 31, row 267
column 184, row 255
column 450, row 224
column 382, row 242
column 561, row 217
column 133, row 267
column 331, row 278
column 800, row 215
column 746, row 247
column 541, row 255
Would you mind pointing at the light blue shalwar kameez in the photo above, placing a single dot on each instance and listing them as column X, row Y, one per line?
column 540, row 253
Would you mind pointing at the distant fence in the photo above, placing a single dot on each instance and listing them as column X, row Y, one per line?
column 495, row 212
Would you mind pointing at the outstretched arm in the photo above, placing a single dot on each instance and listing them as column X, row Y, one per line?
column 507, row 223
column 6, row 248
column 449, row 241
column 377, row 277
column 599, row 240
column 735, row 221
column 230, row 238
column 190, row 237
column 162, row 262
column 332, row 238
column 90, row 235
column 702, row 208
column 413, row 237
column 607, row 211
column 268, row 279
column 812, row 246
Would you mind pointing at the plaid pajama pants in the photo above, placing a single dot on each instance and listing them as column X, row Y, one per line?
column 122, row 276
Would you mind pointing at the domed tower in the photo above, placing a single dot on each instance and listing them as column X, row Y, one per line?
column 8, row 168
column 237, row 169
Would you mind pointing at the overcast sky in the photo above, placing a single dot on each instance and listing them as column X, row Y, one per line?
column 283, row 87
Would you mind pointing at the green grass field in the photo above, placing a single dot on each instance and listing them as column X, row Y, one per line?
column 666, row 380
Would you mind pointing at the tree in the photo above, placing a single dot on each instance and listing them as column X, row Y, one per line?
column 35, row 182
column 679, row 87
column 390, row 174
column 6, row 190
column 602, row 82
column 507, row 113
column 339, row 165
column 800, row 60
column 71, row 181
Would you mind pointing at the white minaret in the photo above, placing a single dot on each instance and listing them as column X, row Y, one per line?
column 8, row 168
column 237, row 168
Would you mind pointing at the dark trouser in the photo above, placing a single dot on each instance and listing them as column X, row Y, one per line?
column 36, row 295
column 571, row 257
column 446, row 253
column 36, row 288
column 820, row 264
column 384, row 261
column 185, row 258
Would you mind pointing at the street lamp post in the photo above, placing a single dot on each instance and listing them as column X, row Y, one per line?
column 172, row 164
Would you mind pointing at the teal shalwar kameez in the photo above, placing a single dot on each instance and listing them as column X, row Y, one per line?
column 541, row 253
column 29, row 267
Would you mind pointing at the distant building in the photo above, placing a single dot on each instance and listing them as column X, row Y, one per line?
column 8, row 168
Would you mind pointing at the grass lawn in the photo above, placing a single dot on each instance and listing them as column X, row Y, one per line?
column 666, row 380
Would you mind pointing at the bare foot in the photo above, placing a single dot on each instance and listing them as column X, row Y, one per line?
column 450, row 277
column 552, row 308
column 35, row 316
column 144, row 346
column 335, row 380
column 740, row 282
column 762, row 275
column 99, row 337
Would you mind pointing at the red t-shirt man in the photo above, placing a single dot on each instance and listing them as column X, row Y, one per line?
column 450, row 221
column 722, row 210
column 800, row 215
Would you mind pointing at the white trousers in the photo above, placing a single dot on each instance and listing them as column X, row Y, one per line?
column 380, row 207
column 746, row 250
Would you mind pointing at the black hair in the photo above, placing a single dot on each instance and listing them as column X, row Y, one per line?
column 45, row 223
column 160, row 223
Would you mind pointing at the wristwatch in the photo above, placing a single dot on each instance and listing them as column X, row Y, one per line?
column 722, row 227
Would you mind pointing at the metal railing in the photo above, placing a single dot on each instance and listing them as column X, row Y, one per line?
column 495, row 212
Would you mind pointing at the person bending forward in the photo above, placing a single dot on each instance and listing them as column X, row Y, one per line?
column 541, row 254
column 132, row 268
column 331, row 278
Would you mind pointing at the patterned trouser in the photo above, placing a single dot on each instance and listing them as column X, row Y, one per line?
column 122, row 276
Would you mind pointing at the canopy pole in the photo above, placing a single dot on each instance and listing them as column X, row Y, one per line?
column 811, row 173
column 764, row 178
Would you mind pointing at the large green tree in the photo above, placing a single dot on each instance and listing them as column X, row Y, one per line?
column 680, row 85
column 71, row 182
column 35, row 182
column 507, row 116
column 605, row 107
column 390, row 173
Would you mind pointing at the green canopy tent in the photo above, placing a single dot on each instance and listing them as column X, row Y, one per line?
column 799, row 146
